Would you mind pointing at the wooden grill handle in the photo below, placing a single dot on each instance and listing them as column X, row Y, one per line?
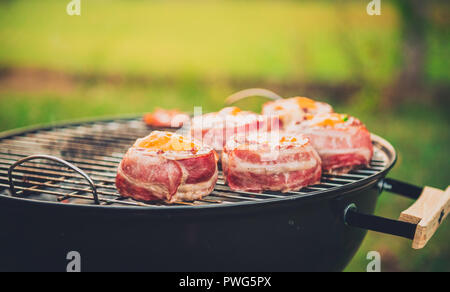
column 428, row 212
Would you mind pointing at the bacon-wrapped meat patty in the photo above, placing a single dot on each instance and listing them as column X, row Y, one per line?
column 166, row 118
column 292, row 111
column 286, row 164
column 343, row 142
column 215, row 129
column 168, row 167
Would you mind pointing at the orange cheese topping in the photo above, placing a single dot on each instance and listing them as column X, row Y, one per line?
column 235, row 111
column 285, row 104
column 330, row 120
column 288, row 140
column 304, row 102
column 166, row 141
column 230, row 111
column 309, row 117
column 278, row 108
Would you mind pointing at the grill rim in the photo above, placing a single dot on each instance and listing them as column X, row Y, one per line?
column 385, row 146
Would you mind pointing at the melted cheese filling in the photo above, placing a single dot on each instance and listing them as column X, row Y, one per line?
column 328, row 120
column 304, row 102
column 166, row 141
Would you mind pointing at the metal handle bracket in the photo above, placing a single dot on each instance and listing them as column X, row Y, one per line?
column 55, row 159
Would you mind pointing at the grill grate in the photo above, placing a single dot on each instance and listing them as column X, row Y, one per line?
column 98, row 147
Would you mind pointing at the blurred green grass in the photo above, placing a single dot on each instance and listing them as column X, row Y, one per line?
column 274, row 40
column 202, row 45
column 267, row 39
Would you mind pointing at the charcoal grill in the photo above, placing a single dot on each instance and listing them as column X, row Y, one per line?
column 58, row 194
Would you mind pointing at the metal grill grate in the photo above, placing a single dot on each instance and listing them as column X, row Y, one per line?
column 98, row 147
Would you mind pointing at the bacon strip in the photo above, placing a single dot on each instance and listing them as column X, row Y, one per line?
column 288, row 167
column 293, row 111
column 342, row 147
column 215, row 129
column 162, row 118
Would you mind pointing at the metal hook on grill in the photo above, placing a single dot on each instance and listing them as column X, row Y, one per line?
column 55, row 159
column 252, row 92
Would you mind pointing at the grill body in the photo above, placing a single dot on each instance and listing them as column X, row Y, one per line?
column 301, row 235
column 228, row 231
